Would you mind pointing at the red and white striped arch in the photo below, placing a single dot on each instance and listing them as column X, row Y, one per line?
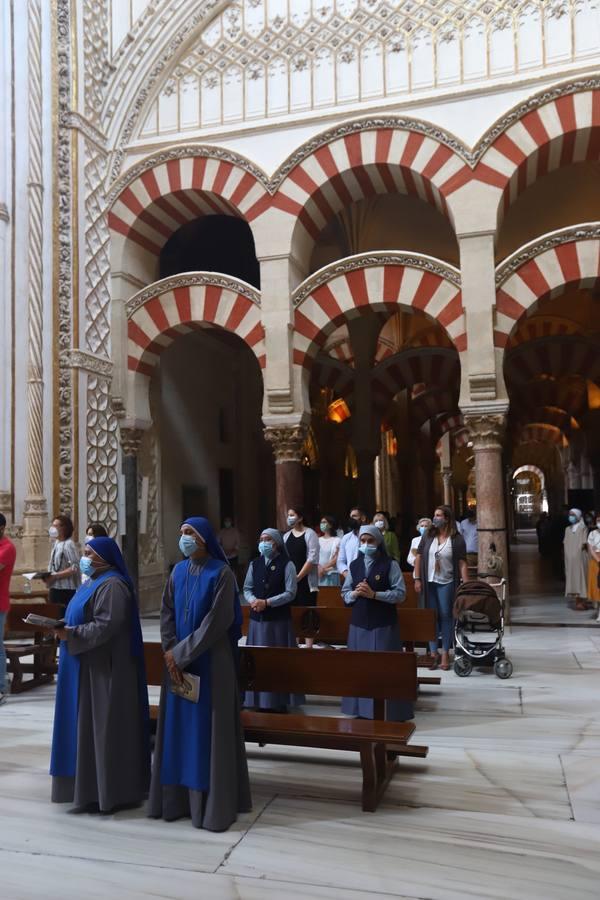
column 558, row 357
column 372, row 287
column 541, row 433
column 165, row 311
column 575, row 262
column 558, row 132
column 159, row 197
column 365, row 160
column 541, row 327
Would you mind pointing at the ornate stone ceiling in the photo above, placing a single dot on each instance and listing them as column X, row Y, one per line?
column 261, row 58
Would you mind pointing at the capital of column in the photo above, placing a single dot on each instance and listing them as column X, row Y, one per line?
column 486, row 431
column 287, row 441
column 131, row 438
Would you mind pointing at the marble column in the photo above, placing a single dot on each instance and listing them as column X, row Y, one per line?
column 486, row 433
column 6, row 499
column 35, row 513
column 131, row 439
column 448, row 491
column 366, row 425
column 287, row 443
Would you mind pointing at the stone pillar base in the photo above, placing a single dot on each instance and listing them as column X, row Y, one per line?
column 35, row 543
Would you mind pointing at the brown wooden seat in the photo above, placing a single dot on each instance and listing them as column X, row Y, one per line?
column 330, row 625
column 331, row 596
column 342, row 673
column 38, row 644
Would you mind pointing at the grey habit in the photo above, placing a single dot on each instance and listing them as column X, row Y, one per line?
column 272, row 634
column 385, row 638
column 229, row 792
column 112, row 756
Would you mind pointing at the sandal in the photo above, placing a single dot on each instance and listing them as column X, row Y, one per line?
column 435, row 661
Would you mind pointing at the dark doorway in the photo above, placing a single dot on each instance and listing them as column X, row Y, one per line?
column 212, row 244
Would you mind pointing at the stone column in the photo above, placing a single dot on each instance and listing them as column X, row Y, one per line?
column 446, row 469
column 6, row 499
column 35, row 515
column 287, row 442
column 486, row 434
column 131, row 439
column 366, row 429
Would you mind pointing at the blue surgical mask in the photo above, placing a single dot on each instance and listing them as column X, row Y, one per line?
column 265, row 548
column 422, row 529
column 86, row 566
column 325, row 526
column 368, row 549
column 573, row 520
column 291, row 520
column 187, row 544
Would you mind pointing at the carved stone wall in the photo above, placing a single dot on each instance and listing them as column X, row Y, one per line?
column 63, row 236
column 102, row 455
column 102, row 427
column 149, row 467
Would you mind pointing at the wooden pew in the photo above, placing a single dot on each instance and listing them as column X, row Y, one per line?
column 41, row 646
column 342, row 673
column 330, row 625
column 332, row 596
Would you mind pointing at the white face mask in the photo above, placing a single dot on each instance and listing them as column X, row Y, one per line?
column 53, row 532
column 380, row 524
column 291, row 520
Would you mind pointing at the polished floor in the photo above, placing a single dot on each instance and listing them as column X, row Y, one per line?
column 536, row 592
column 507, row 805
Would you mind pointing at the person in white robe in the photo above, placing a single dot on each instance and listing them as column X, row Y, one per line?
column 576, row 559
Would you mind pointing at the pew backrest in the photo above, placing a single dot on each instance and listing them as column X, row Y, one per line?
column 331, row 624
column 337, row 673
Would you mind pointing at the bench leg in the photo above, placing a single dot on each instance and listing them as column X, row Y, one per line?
column 369, row 771
column 378, row 768
column 16, row 669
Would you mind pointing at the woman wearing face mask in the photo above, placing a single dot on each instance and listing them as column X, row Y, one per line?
column 422, row 526
column 576, row 559
column 64, row 577
column 302, row 545
column 390, row 538
column 100, row 746
column 269, row 589
column 440, row 566
column 199, row 768
column 329, row 547
column 94, row 530
column 373, row 587
column 593, row 566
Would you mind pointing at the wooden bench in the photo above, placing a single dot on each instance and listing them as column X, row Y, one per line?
column 330, row 595
column 41, row 646
column 341, row 673
column 330, row 625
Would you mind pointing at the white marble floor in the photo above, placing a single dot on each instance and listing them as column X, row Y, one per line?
column 507, row 805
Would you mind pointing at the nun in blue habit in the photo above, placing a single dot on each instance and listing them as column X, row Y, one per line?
column 199, row 768
column 373, row 587
column 270, row 589
column 100, row 744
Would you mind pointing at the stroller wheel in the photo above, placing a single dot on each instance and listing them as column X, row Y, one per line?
column 463, row 666
column 503, row 668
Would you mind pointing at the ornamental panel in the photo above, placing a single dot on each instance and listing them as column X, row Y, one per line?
column 260, row 59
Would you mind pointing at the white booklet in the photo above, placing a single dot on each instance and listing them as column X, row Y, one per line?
column 43, row 621
column 190, row 689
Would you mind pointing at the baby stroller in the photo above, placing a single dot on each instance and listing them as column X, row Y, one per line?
column 477, row 610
